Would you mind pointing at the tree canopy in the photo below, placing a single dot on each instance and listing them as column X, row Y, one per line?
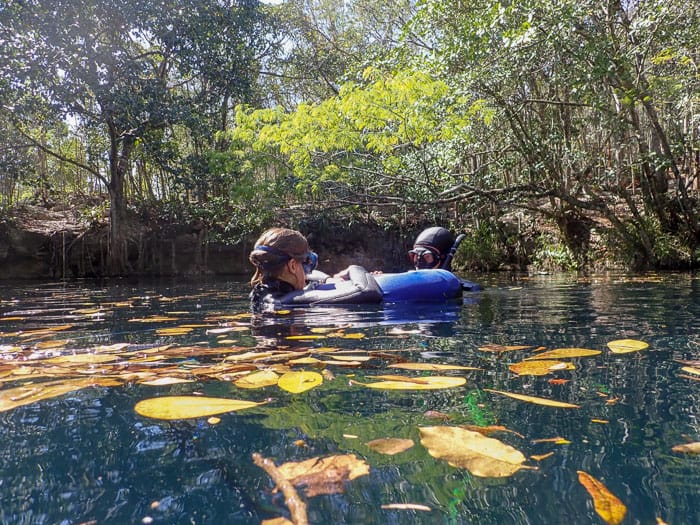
column 477, row 113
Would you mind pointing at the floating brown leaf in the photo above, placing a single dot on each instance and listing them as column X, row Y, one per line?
column 490, row 429
column 606, row 504
column 390, row 446
column 481, row 455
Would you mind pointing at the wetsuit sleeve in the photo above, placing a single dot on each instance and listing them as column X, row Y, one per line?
column 360, row 288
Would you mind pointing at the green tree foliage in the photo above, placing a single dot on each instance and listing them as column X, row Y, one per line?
column 126, row 76
column 327, row 42
column 579, row 111
column 587, row 110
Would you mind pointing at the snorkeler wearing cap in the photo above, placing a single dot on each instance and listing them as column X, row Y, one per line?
column 286, row 275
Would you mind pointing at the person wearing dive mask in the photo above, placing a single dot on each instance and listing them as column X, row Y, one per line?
column 285, row 274
column 433, row 248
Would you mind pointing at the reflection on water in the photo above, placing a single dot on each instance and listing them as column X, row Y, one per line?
column 85, row 456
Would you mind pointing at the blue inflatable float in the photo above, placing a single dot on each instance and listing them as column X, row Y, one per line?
column 362, row 287
column 419, row 286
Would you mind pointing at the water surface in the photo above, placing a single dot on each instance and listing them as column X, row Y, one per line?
column 86, row 457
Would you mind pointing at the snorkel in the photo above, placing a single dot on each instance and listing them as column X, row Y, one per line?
column 447, row 263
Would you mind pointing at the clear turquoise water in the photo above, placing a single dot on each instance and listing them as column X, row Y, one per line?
column 86, row 456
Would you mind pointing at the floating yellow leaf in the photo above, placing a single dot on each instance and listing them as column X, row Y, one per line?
column 177, row 330
column 406, row 506
column 539, row 368
column 502, row 348
column 625, row 346
column 47, row 345
column 406, row 379
column 153, row 319
column 564, row 353
column 322, row 329
column 88, row 311
column 187, row 407
column 482, row 456
column 688, row 448
column 324, row 475
column 431, row 366
column 356, row 335
column 308, row 360
column 213, row 420
column 691, row 370
column 390, row 446
column 600, row 421
column 353, row 358
column 259, row 379
column 83, row 359
column 426, row 383
column 533, row 399
column 606, row 504
column 298, row 382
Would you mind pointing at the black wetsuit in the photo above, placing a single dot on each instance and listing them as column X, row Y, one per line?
column 361, row 287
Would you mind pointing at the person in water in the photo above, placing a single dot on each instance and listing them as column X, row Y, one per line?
column 434, row 248
column 286, row 275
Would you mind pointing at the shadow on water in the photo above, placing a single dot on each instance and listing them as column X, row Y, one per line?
column 86, row 456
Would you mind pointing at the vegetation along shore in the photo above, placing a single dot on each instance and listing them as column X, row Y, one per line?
column 160, row 139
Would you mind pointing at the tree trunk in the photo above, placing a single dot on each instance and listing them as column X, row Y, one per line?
column 117, row 263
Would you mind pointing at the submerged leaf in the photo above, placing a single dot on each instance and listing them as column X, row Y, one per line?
column 298, row 382
column 533, row 399
column 390, row 446
column 324, row 475
column 425, row 383
column 688, row 448
column 28, row 394
column 482, row 456
column 606, row 504
column 187, row 407
column 625, row 346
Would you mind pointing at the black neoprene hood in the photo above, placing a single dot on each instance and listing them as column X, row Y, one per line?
column 437, row 238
